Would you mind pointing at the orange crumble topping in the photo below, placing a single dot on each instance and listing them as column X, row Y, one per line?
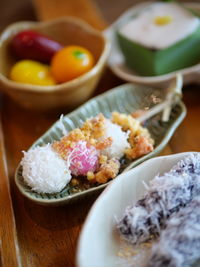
column 92, row 132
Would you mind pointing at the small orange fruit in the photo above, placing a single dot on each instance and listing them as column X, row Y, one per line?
column 70, row 62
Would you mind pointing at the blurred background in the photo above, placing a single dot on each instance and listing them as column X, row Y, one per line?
column 12, row 10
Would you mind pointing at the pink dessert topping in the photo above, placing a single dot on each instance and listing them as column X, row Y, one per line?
column 83, row 158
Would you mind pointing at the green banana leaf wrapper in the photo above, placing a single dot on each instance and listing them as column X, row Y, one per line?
column 151, row 62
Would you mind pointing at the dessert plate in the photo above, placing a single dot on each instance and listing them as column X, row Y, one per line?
column 116, row 60
column 99, row 244
column 125, row 99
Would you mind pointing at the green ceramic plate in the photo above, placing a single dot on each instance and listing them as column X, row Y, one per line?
column 126, row 99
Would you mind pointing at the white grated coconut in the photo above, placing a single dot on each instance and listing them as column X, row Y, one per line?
column 44, row 171
column 120, row 140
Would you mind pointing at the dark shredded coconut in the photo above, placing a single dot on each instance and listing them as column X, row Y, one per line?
column 166, row 195
column 179, row 244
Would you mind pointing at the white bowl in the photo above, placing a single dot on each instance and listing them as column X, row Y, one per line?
column 117, row 63
column 99, row 243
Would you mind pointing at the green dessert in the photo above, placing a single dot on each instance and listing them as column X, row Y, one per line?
column 162, row 38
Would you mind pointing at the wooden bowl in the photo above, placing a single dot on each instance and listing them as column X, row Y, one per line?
column 68, row 31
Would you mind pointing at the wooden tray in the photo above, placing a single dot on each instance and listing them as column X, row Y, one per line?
column 47, row 236
column 9, row 245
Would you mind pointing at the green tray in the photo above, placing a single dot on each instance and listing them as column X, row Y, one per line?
column 125, row 99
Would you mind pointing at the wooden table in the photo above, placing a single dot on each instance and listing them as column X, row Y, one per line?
column 48, row 236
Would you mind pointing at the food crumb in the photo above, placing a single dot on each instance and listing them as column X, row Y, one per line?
column 129, row 255
column 74, row 181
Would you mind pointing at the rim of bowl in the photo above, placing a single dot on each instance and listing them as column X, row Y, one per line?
column 66, row 85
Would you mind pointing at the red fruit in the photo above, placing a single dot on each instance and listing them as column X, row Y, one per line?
column 33, row 45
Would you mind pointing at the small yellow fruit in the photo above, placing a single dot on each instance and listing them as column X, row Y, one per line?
column 31, row 72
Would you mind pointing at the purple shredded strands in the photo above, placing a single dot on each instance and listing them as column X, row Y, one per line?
column 166, row 195
column 179, row 244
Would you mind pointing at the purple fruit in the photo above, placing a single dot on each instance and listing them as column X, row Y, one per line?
column 33, row 45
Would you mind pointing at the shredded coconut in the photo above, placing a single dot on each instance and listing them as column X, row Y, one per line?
column 83, row 159
column 44, row 171
column 166, row 195
column 179, row 243
column 119, row 140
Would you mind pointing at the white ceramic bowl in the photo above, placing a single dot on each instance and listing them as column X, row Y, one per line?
column 99, row 244
column 117, row 63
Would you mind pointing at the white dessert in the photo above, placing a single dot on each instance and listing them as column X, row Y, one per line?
column 161, row 25
column 44, row 171
column 119, row 140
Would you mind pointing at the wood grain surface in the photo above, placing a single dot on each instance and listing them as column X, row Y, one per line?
column 48, row 236
column 84, row 9
column 9, row 244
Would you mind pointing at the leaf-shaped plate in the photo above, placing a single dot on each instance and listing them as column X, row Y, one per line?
column 125, row 99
